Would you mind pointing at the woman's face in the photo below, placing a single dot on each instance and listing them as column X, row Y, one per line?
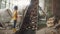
column 50, row 22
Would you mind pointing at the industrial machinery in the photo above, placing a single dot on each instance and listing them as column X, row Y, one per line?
column 5, row 16
column 29, row 24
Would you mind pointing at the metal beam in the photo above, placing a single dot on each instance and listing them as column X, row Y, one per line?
column 0, row 3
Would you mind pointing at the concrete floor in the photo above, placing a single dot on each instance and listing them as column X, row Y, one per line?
column 6, row 32
column 11, row 32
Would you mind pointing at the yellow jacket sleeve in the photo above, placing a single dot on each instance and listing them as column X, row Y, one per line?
column 15, row 15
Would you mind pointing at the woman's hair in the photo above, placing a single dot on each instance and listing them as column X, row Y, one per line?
column 16, row 7
column 56, row 20
column 47, row 18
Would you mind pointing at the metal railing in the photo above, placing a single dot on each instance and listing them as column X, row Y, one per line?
column 24, row 13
